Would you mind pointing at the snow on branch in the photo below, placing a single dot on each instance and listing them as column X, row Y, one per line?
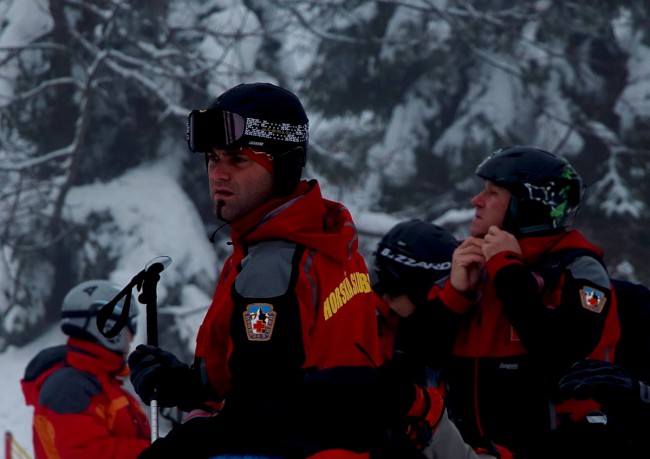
column 612, row 190
column 617, row 198
column 33, row 162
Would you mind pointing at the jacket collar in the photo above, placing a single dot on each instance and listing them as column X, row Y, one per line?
column 535, row 247
column 304, row 218
column 94, row 358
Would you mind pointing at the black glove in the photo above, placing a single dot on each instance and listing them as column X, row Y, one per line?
column 158, row 374
column 625, row 404
column 604, row 382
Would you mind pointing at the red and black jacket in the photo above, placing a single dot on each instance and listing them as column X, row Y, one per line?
column 293, row 297
column 81, row 409
column 503, row 351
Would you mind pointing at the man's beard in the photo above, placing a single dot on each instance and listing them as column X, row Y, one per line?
column 218, row 205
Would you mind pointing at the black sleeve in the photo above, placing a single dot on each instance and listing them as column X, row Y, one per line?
column 564, row 324
column 348, row 408
column 427, row 336
column 266, row 327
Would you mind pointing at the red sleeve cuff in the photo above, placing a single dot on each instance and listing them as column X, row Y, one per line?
column 501, row 260
column 455, row 300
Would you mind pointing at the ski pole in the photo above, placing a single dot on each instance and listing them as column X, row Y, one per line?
column 145, row 281
column 149, row 297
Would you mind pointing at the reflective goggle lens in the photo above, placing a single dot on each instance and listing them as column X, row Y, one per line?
column 207, row 129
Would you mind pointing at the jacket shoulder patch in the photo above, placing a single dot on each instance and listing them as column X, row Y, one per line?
column 259, row 319
column 592, row 299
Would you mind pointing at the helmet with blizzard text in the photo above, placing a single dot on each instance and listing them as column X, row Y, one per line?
column 545, row 189
column 80, row 308
column 260, row 116
column 411, row 257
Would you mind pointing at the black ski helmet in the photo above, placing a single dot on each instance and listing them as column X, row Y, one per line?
column 262, row 116
column 545, row 189
column 411, row 257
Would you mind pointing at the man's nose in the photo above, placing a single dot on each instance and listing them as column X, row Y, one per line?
column 477, row 201
column 219, row 170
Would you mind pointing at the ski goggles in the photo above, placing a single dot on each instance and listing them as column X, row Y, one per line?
column 216, row 128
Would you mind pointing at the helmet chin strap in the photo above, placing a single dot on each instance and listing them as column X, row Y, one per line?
column 510, row 218
column 288, row 170
column 511, row 224
column 301, row 155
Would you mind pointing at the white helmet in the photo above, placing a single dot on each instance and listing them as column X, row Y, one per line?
column 80, row 308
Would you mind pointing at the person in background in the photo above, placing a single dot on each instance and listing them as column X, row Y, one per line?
column 290, row 342
column 411, row 264
column 81, row 409
column 412, row 259
column 516, row 323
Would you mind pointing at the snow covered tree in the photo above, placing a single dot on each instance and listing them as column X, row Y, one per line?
column 92, row 90
column 405, row 97
column 432, row 87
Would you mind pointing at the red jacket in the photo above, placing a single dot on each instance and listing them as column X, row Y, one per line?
column 80, row 408
column 515, row 339
column 294, row 296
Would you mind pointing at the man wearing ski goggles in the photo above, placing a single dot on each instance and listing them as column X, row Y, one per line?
column 216, row 128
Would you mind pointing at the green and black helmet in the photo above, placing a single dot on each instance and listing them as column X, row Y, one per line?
column 546, row 190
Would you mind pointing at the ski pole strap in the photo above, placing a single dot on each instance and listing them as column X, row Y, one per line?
column 108, row 310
